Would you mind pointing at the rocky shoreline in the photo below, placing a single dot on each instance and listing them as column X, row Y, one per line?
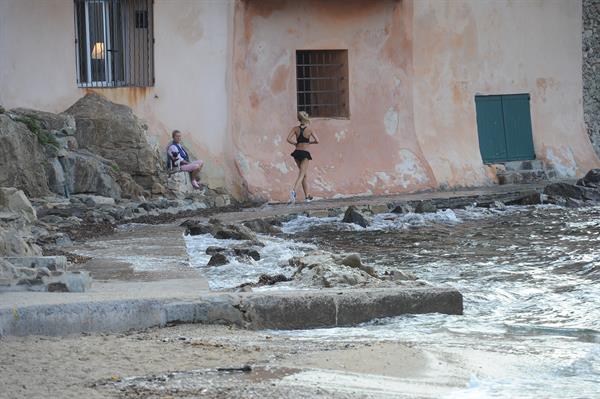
column 79, row 174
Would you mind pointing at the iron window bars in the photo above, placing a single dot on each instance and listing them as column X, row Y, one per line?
column 114, row 43
column 322, row 82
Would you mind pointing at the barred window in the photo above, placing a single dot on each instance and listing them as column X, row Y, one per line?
column 114, row 43
column 322, row 82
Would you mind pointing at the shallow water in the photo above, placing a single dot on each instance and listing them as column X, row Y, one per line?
column 530, row 277
column 531, row 284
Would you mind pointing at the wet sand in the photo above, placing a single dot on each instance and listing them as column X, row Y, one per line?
column 98, row 366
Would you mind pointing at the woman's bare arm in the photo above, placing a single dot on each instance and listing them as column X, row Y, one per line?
column 292, row 135
column 314, row 137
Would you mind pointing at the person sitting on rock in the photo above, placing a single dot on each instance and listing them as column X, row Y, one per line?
column 178, row 158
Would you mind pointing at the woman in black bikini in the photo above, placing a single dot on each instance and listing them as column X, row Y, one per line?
column 301, row 137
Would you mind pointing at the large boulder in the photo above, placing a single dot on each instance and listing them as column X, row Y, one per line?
column 56, row 124
column 15, row 201
column 591, row 179
column 15, row 242
column 114, row 132
column 91, row 174
column 576, row 192
column 22, row 158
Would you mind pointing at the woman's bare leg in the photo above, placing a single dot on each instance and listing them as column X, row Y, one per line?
column 302, row 166
column 305, row 185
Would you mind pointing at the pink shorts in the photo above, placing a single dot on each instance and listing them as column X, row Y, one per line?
column 192, row 166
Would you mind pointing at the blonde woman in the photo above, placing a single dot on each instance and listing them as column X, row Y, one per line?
column 301, row 137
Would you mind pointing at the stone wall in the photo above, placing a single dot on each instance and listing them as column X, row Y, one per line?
column 591, row 70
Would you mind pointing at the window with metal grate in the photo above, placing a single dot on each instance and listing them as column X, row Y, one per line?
column 114, row 43
column 322, row 82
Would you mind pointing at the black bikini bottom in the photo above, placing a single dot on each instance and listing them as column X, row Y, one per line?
column 299, row 155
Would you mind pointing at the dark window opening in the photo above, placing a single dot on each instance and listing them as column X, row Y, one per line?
column 322, row 82
column 141, row 19
column 114, row 43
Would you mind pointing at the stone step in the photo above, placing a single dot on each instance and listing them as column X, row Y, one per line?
column 514, row 166
column 522, row 176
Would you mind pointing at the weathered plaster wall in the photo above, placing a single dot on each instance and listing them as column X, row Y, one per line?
column 225, row 76
column 463, row 48
column 192, row 67
column 591, row 70
column 375, row 151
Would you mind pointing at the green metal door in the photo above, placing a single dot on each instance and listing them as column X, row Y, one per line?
column 490, row 128
column 504, row 128
column 517, row 127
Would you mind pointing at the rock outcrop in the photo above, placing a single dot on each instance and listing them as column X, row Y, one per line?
column 22, row 157
column 114, row 132
column 321, row 269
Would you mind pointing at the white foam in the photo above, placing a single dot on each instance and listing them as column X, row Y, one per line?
column 274, row 260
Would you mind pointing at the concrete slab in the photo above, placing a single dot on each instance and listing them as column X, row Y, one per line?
column 137, row 253
column 265, row 310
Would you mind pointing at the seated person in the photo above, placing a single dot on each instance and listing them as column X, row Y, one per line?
column 178, row 158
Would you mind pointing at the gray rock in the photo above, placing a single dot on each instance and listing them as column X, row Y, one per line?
column 211, row 250
column 114, row 132
column 352, row 260
column 218, row 259
column 397, row 275
column 530, row 199
column 250, row 252
column 425, row 206
column 15, row 201
column 97, row 200
column 266, row 279
column 23, row 158
column 77, row 281
column 195, row 228
column 591, row 179
column 87, row 173
column 233, row 232
column 572, row 191
column 323, row 269
column 402, row 208
column 352, row 215
column 264, row 226
column 13, row 243
column 8, row 272
column 52, row 263
column 56, row 124
column 180, row 184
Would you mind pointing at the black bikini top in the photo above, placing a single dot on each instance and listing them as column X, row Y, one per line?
column 301, row 138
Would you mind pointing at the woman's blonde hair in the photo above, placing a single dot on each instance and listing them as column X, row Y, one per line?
column 303, row 117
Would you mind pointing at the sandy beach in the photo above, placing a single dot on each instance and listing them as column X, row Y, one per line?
column 101, row 366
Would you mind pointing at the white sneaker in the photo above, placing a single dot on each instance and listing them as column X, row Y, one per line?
column 292, row 197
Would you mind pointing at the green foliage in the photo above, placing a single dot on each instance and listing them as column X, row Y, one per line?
column 2, row 110
column 115, row 167
column 35, row 127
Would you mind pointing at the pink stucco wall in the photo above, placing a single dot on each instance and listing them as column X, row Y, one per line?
column 375, row 150
column 192, row 67
column 463, row 48
column 225, row 76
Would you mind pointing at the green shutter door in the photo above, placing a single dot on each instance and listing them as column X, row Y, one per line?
column 504, row 128
column 490, row 128
column 517, row 127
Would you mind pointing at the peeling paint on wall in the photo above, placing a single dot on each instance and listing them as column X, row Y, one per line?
column 563, row 162
column 410, row 171
column 391, row 121
column 341, row 135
